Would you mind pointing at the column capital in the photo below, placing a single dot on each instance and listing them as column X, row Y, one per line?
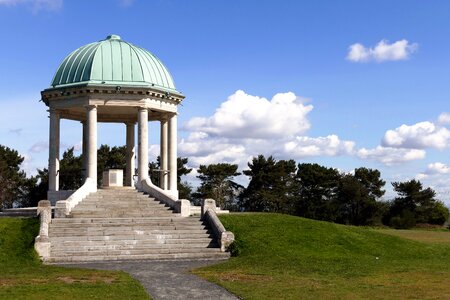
column 90, row 106
column 53, row 110
column 141, row 108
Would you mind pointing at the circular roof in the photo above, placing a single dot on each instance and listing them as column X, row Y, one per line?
column 113, row 61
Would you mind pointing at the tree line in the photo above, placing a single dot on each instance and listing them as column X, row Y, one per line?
column 305, row 189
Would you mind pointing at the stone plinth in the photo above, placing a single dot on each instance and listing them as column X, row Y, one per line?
column 113, row 178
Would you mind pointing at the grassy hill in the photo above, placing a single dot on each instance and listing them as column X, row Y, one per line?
column 287, row 257
column 22, row 276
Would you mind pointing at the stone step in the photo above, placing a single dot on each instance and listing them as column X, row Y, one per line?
column 113, row 208
column 103, row 229
column 169, row 256
column 137, row 243
column 149, row 225
column 160, row 238
column 120, row 214
column 124, row 231
column 107, row 252
column 125, row 245
column 172, row 218
column 118, row 222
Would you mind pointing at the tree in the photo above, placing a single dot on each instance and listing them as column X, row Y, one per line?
column 318, row 187
column 272, row 185
column 216, row 183
column 354, row 203
column 70, row 171
column 415, row 205
column 371, row 180
column 12, row 178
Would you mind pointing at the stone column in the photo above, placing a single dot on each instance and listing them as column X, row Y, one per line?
column 129, row 171
column 91, row 123
column 53, row 161
column 84, row 149
column 173, row 155
column 163, row 156
column 142, row 144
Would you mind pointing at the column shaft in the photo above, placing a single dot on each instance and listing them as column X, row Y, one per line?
column 84, row 149
column 92, row 142
column 129, row 171
column 163, row 156
column 53, row 161
column 173, row 154
column 142, row 144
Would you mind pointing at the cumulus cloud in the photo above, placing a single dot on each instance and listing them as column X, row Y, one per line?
column 418, row 136
column 383, row 51
column 444, row 118
column 247, row 116
column 36, row 5
column 391, row 156
column 245, row 125
column 331, row 145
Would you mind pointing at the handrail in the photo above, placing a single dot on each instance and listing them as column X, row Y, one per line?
column 64, row 207
column 180, row 206
column 224, row 237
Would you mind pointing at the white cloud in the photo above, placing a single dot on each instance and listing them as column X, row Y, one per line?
column 305, row 146
column 391, row 156
column 39, row 147
column 437, row 168
column 418, row 136
column 245, row 126
column 246, row 116
column 36, row 5
column 444, row 118
column 383, row 51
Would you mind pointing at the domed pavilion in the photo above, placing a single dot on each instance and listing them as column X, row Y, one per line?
column 114, row 81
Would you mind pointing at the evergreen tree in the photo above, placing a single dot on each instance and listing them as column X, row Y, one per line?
column 12, row 178
column 272, row 185
column 216, row 183
column 415, row 205
column 317, row 191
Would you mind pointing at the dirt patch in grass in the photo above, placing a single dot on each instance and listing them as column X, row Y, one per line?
column 244, row 277
column 90, row 279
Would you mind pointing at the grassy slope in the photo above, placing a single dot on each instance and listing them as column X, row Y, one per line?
column 22, row 276
column 286, row 257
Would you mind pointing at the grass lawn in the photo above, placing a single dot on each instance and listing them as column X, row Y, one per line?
column 22, row 276
column 439, row 236
column 287, row 257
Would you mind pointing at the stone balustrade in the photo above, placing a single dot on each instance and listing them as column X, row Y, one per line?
column 180, row 206
column 64, row 207
column 224, row 237
column 42, row 242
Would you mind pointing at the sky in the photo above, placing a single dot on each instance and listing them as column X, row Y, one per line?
column 345, row 84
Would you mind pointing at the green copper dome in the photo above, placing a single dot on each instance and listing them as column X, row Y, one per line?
column 113, row 61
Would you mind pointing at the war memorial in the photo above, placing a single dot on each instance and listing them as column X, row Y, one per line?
column 128, row 217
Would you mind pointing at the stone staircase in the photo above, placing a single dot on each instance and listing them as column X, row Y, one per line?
column 123, row 224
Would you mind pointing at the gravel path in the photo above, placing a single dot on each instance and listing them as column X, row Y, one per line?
column 167, row 279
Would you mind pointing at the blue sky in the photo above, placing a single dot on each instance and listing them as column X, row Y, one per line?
column 365, row 67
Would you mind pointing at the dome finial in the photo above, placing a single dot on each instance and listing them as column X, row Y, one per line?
column 113, row 37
